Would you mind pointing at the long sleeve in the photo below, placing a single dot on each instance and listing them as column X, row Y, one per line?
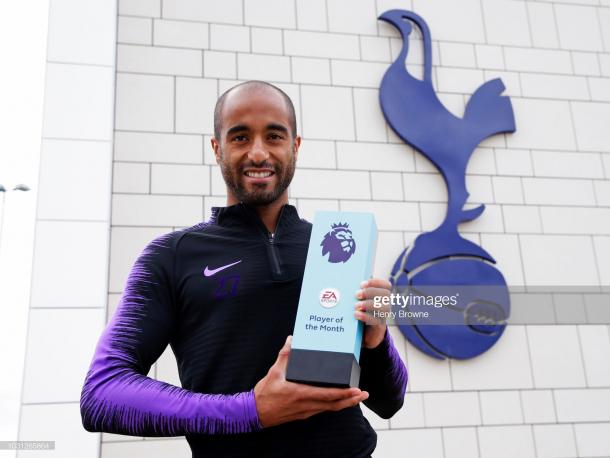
column 118, row 397
column 384, row 375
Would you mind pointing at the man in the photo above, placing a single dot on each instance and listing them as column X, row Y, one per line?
column 224, row 295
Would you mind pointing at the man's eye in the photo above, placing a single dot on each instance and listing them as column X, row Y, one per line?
column 275, row 137
column 240, row 138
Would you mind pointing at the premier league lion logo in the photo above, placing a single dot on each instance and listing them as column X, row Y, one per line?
column 339, row 243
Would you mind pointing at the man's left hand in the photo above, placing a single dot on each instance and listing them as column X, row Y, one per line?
column 375, row 326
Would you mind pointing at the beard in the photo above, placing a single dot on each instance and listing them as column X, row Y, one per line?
column 260, row 194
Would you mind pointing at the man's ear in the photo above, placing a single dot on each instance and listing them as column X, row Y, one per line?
column 297, row 145
column 216, row 148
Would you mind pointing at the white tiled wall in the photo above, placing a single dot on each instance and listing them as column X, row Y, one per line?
column 71, row 251
column 542, row 391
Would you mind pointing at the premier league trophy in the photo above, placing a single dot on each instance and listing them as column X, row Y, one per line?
column 327, row 336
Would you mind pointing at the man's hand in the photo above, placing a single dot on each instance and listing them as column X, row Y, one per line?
column 375, row 326
column 279, row 401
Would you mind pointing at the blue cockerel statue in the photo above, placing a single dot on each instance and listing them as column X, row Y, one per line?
column 415, row 113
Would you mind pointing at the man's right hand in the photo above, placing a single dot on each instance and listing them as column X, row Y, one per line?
column 279, row 401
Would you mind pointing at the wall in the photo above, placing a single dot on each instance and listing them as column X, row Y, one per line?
column 22, row 97
column 70, row 264
column 542, row 390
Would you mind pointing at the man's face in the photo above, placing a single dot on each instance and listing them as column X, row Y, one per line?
column 256, row 152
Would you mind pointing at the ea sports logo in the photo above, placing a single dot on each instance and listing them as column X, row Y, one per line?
column 329, row 297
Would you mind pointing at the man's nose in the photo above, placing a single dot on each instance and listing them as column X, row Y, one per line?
column 258, row 152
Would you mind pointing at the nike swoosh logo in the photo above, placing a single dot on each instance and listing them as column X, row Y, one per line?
column 209, row 272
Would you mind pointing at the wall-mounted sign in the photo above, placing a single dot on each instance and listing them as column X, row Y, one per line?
column 441, row 260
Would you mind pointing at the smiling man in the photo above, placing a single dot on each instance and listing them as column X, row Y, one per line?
column 224, row 294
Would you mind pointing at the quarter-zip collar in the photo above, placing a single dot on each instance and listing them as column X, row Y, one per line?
column 244, row 215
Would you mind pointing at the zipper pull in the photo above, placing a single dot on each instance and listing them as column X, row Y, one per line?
column 271, row 235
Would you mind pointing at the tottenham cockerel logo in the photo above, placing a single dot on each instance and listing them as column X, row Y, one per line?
column 442, row 256
column 338, row 243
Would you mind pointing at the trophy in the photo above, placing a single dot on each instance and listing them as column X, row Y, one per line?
column 327, row 336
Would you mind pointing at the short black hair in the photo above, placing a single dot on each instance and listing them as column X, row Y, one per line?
column 256, row 83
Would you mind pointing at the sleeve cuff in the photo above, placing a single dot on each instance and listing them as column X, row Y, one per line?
column 251, row 412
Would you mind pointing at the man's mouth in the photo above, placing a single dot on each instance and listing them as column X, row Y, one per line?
column 259, row 174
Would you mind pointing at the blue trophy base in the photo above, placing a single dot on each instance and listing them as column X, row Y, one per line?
column 323, row 368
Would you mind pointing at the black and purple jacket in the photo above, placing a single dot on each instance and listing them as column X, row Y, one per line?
column 223, row 294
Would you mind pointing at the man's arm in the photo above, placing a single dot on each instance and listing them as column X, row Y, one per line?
column 118, row 397
column 384, row 375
